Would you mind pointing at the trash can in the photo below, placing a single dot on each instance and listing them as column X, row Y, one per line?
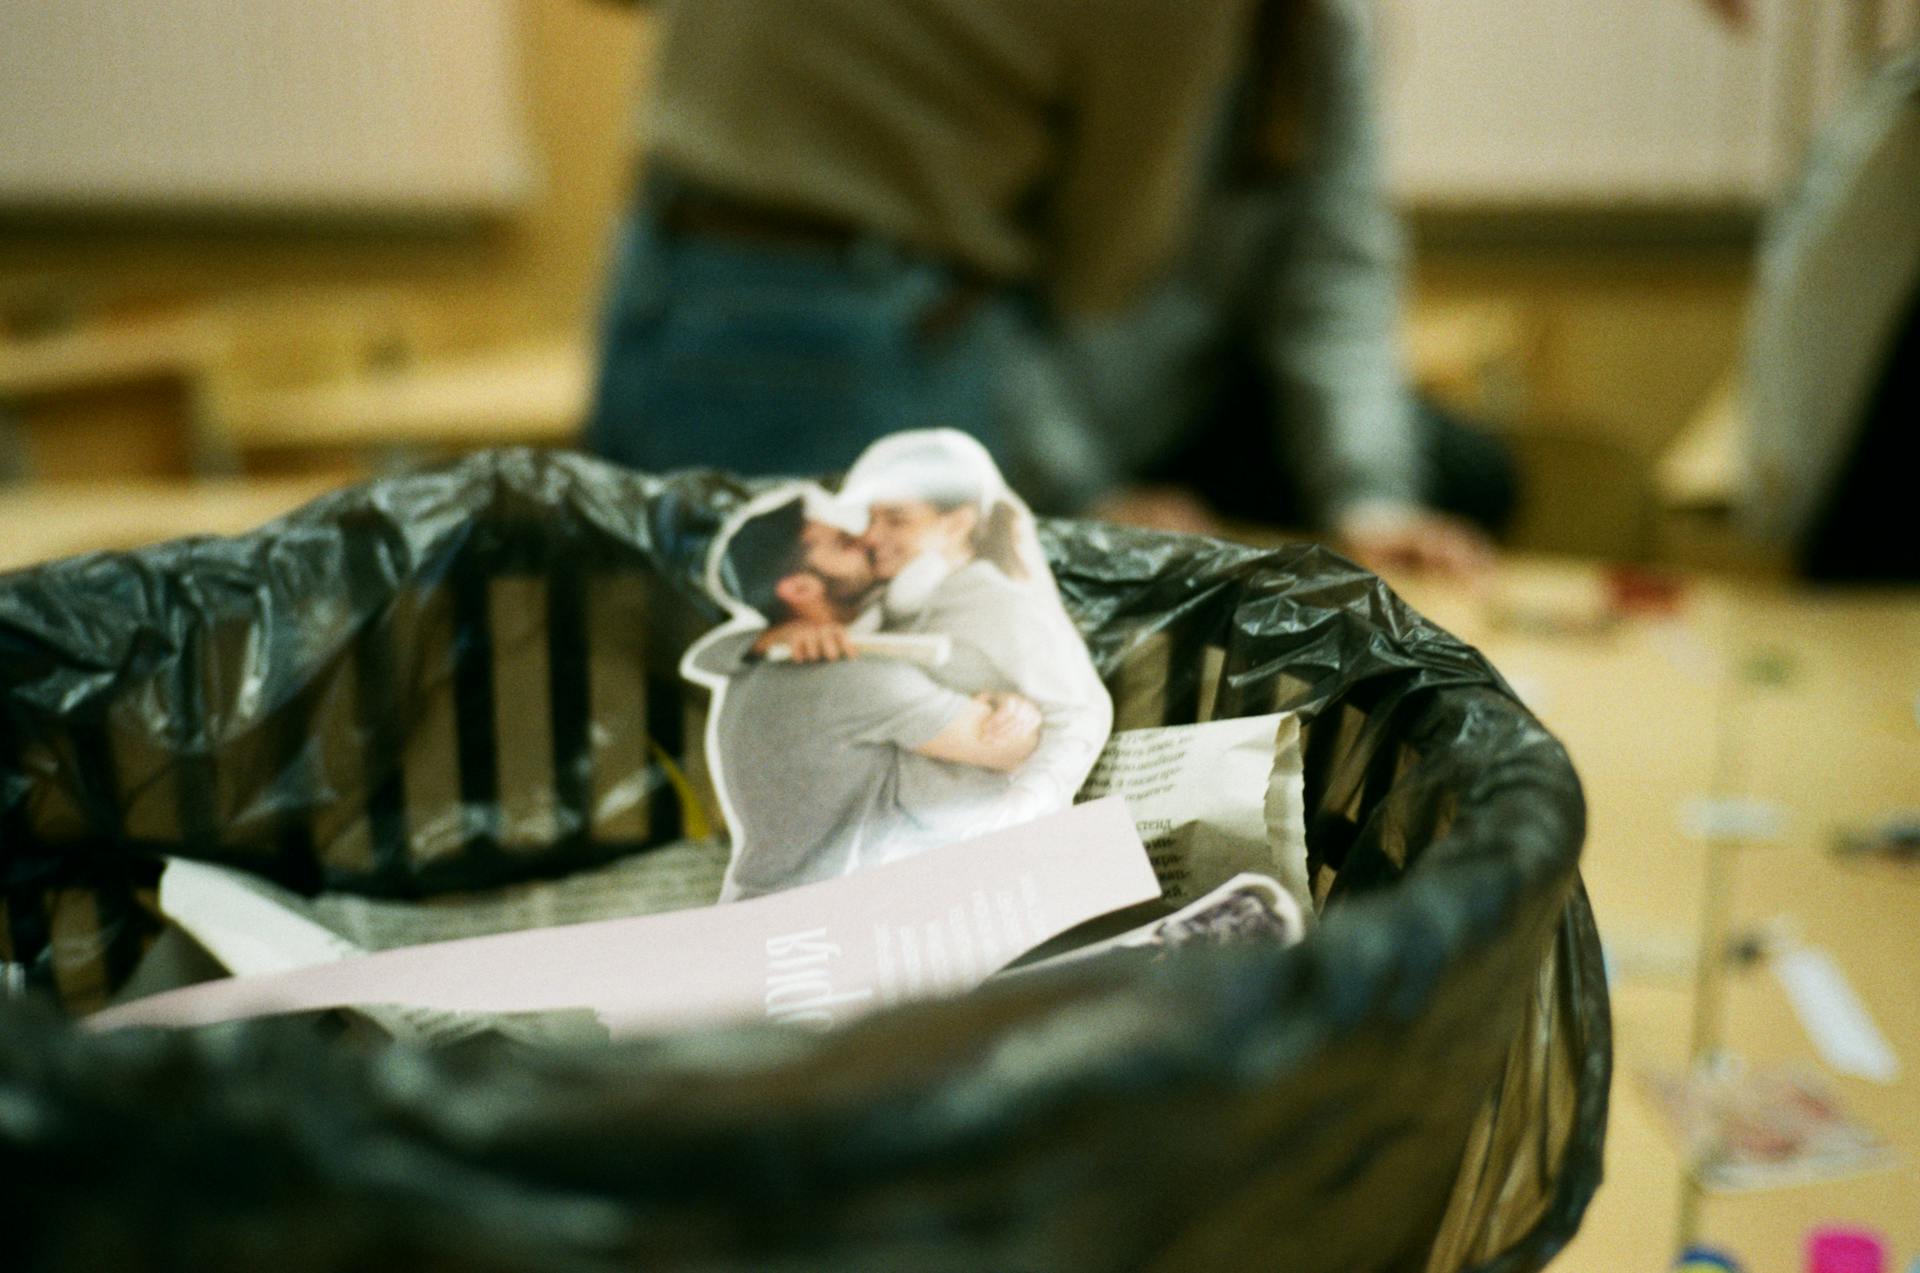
column 464, row 677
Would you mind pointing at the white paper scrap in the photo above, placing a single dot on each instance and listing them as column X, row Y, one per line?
column 1213, row 800
column 1834, row 1017
column 1732, row 818
column 243, row 929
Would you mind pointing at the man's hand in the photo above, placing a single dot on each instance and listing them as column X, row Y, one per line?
column 1420, row 541
column 976, row 738
column 1737, row 14
column 1157, row 508
column 1010, row 718
column 806, row 642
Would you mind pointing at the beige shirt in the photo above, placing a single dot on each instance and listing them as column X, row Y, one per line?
column 1054, row 141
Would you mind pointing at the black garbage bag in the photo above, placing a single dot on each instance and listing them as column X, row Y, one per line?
column 466, row 677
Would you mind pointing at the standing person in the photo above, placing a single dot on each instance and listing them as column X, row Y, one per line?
column 854, row 208
column 1263, row 380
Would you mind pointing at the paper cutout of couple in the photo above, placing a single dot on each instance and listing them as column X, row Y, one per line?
column 898, row 672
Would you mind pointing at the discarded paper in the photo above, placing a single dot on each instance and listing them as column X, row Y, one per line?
column 937, row 923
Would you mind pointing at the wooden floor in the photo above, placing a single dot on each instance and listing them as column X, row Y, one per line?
column 1809, row 703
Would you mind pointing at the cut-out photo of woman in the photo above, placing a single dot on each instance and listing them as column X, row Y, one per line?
column 898, row 672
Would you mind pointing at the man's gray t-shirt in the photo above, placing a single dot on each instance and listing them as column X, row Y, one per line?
column 811, row 764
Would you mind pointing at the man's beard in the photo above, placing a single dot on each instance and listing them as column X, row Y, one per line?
column 851, row 594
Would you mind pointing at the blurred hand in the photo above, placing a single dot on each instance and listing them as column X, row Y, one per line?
column 1420, row 541
column 807, row 642
column 1737, row 14
column 1172, row 508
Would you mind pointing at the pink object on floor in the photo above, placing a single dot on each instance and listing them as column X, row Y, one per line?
column 1839, row 1249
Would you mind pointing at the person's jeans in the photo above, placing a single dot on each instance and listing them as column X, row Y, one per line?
column 770, row 359
column 1466, row 469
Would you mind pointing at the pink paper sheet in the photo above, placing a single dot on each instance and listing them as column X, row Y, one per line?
column 814, row 956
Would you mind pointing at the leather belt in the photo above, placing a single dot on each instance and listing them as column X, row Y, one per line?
column 683, row 207
column 687, row 209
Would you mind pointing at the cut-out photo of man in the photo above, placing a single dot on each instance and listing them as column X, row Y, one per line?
column 814, row 760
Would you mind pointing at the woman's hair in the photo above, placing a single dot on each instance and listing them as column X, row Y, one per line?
column 947, row 469
column 998, row 534
column 764, row 549
column 998, row 538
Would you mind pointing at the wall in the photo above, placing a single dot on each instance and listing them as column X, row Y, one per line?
column 1618, row 342
column 533, row 271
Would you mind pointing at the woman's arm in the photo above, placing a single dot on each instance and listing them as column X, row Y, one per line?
column 994, row 731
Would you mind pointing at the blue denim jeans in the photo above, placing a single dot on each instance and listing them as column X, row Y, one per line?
column 768, row 359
